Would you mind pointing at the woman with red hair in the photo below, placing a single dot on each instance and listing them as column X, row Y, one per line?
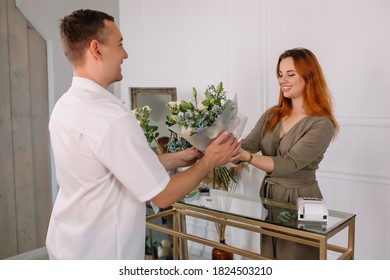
column 292, row 138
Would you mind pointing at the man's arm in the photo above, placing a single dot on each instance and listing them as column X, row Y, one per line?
column 180, row 159
column 221, row 151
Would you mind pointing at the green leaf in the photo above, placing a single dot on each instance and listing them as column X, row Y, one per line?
column 220, row 87
column 206, row 103
column 207, row 94
column 186, row 105
column 194, row 92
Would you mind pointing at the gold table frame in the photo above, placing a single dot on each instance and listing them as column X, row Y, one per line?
column 309, row 237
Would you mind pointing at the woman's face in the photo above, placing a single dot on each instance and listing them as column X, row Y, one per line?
column 291, row 84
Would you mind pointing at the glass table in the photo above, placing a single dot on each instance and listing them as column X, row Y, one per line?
column 256, row 215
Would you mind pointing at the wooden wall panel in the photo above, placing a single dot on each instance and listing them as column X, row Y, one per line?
column 21, row 128
column 8, row 241
column 25, row 185
column 40, row 136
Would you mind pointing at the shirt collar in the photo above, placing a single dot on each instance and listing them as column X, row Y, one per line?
column 90, row 85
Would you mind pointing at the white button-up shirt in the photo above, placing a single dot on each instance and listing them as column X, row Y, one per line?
column 105, row 171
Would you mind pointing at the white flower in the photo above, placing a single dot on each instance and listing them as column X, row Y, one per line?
column 201, row 106
column 172, row 104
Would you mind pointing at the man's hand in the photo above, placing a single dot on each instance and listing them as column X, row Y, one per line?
column 189, row 156
column 224, row 149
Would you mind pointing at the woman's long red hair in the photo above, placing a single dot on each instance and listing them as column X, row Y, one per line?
column 316, row 98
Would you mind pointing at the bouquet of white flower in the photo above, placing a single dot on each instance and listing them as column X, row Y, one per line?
column 200, row 123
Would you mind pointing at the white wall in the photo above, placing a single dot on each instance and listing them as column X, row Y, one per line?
column 195, row 43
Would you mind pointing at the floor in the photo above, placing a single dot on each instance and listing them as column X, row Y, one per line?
column 37, row 254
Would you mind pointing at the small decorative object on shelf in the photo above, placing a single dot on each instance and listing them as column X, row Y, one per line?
column 164, row 249
column 219, row 254
column 204, row 189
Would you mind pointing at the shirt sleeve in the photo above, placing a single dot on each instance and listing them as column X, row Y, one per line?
column 306, row 150
column 123, row 149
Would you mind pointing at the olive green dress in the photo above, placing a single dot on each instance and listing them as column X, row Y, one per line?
column 296, row 158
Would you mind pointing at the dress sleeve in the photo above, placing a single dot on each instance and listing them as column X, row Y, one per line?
column 251, row 143
column 306, row 150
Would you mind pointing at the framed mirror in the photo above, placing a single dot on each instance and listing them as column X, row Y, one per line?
column 156, row 98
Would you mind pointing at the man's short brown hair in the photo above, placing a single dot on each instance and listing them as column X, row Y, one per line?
column 78, row 29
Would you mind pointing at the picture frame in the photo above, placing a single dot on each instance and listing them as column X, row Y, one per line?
column 156, row 92
column 156, row 98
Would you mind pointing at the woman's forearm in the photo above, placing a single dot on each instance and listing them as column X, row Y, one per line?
column 264, row 163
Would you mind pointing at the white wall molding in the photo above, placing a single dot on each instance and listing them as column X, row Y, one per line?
column 364, row 121
column 226, row 45
column 354, row 175
column 263, row 51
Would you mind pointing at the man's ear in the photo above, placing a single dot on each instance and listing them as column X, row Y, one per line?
column 94, row 49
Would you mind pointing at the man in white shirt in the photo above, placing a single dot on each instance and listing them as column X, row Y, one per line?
column 105, row 168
